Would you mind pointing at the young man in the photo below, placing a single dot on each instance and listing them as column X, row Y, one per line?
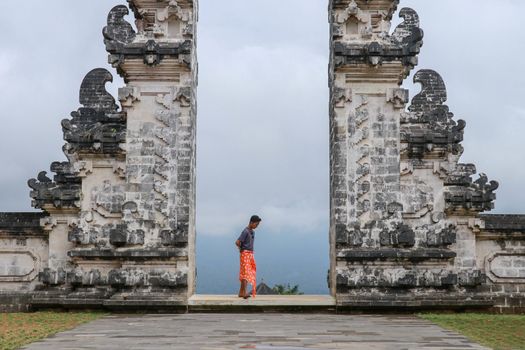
column 248, row 270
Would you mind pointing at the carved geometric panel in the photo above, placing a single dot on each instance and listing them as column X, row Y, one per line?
column 18, row 266
column 506, row 267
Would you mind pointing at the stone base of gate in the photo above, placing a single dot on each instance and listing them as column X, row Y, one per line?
column 175, row 304
column 23, row 301
column 155, row 302
column 412, row 302
column 15, row 302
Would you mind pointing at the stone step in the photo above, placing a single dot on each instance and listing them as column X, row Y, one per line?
column 262, row 303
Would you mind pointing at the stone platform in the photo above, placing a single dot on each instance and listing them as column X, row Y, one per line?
column 261, row 331
column 265, row 303
column 199, row 303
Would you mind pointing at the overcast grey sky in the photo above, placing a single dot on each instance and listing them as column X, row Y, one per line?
column 263, row 101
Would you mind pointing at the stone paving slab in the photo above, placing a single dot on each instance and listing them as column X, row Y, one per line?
column 257, row 331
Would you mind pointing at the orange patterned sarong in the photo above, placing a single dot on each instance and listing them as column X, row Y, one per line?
column 248, row 270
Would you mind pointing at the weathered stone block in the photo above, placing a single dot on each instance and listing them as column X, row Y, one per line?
column 449, row 280
column 118, row 236
column 167, row 280
column 441, row 238
column 471, row 278
column 52, row 277
column 174, row 237
column 403, row 236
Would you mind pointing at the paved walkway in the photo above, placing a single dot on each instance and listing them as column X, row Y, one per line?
column 257, row 331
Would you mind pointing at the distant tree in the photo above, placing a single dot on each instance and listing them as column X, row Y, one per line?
column 282, row 289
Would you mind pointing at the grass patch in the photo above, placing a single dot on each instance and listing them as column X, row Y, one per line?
column 499, row 332
column 18, row 329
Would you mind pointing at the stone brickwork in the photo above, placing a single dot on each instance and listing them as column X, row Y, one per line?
column 405, row 226
column 117, row 227
column 121, row 211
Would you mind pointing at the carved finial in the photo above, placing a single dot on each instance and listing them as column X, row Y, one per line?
column 42, row 177
column 408, row 32
column 173, row 4
column 63, row 191
column 464, row 195
column 352, row 8
column 93, row 92
column 97, row 127
column 410, row 17
column 429, row 105
column 351, row 11
column 118, row 30
column 430, row 122
column 484, row 185
column 433, row 91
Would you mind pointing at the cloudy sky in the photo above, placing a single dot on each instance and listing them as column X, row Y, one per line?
column 263, row 113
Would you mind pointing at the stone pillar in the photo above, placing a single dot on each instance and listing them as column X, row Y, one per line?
column 366, row 68
column 159, row 66
column 400, row 201
column 122, row 208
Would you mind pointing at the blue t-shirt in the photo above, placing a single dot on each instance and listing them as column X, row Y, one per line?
column 246, row 238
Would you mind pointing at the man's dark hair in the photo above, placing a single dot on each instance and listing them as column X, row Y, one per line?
column 255, row 218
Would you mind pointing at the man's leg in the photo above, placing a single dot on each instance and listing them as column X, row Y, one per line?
column 243, row 293
column 241, row 290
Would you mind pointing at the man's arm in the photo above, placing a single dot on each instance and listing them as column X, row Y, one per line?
column 241, row 239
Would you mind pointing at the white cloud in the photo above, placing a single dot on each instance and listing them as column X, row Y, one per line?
column 263, row 137
column 7, row 61
column 302, row 217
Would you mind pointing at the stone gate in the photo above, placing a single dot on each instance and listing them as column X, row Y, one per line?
column 117, row 222
column 405, row 226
